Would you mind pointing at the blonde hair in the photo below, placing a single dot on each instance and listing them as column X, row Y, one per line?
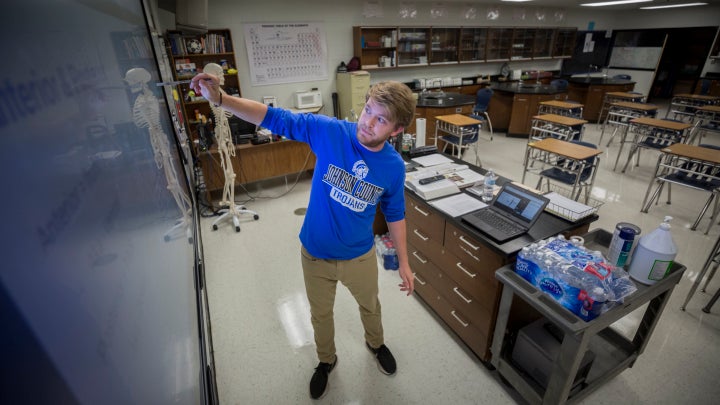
column 397, row 99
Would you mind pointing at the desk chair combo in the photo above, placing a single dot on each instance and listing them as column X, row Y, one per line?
column 460, row 132
column 707, row 121
column 619, row 116
column 695, row 167
column 572, row 163
column 653, row 134
column 714, row 261
column 683, row 106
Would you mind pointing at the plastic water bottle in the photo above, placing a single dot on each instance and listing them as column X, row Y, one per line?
column 488, row 186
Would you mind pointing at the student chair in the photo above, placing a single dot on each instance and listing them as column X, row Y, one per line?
column 482, row 101
column 694, row 174
column 578, row 174
column 560, row 84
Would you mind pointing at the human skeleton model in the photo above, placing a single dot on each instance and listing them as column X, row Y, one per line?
column 146, row 114
column 226, row 150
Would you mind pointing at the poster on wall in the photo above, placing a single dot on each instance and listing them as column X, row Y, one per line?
column 286, row 52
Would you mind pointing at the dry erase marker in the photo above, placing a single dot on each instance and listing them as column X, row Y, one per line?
column 177, row 82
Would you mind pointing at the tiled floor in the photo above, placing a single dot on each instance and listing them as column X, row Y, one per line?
column 263, row 346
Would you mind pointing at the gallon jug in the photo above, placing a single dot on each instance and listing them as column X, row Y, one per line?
column 654, row 255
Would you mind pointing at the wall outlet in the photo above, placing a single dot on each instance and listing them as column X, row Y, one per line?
column 270, row 101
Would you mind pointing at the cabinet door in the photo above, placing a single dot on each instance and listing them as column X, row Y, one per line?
column 473, row 43
column 412, row 49
column 564, row 43
column 519, row 121
column 499, row 44
column 522, row 43
column 375, row 46
column 542, row 44
column 444, row 46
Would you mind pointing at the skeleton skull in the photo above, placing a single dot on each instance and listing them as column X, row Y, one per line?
column 136, row 78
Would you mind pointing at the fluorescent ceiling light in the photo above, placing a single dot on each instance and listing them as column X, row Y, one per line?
column 673, row 6
column 613, row 3
column 516, row 1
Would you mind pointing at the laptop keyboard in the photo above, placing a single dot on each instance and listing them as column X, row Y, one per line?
column 497, row 221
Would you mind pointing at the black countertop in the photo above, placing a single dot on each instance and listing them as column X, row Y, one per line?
column 546, row 226
column 598, row 80
column 526, row 88
column 437, row 99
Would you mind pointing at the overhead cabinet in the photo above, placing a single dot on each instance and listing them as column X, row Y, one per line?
column 393, row 47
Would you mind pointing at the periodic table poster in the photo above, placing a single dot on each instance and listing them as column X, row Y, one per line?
column 286, row 52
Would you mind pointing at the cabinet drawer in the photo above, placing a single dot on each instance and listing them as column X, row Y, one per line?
column 421, row 262
column 426, row 222
column 457, row 321
column 478, row 311
column 473, row 252
column 424, row 240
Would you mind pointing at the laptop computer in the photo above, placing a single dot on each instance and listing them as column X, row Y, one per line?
column 510, row 214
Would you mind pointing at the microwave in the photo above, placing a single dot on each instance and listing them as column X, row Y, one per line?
column 308, row 99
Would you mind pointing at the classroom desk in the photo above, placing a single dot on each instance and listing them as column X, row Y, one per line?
column 563, row 108
column 567, row 156
column 683, row 106
column 556, row 126
column 620, row 113
column 652, row 133
column 456, row 127
column 690, row 166
column 707, row 119
column 616, row 96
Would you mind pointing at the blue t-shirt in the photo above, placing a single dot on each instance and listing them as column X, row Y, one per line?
column 348, row 183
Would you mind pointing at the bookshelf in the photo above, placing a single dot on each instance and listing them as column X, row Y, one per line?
column 189, row 54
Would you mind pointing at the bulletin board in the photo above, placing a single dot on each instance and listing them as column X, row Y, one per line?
column 286, row 52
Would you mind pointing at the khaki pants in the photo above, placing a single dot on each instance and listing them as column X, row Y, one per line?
column 360, row 276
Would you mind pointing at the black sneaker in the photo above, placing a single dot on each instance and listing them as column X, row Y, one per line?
column 385, row 359
column 319, row 381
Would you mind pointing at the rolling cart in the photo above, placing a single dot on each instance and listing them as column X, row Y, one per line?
column 612, row 352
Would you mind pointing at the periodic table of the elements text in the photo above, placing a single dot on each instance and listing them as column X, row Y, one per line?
column 286, row 52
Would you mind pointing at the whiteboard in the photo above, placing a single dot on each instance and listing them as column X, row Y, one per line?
column 635, row 57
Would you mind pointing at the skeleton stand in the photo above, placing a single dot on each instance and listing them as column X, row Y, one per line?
column 226, row 149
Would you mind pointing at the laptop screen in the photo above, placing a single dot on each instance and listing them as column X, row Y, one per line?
column 519, row 203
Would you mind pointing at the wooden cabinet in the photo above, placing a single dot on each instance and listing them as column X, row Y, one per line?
column 189, row 54
column 473, row 42
column 393, row 47
column 372, row 45
column 593, row 95
column 444, row 45
column 499, row 44
column 523, row 43
column 525, row 106
column 564, row 42
column 543, row 43
column 256, row 162
column 412, row 47
column 454, row 274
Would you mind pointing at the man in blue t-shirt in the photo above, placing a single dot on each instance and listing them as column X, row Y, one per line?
column 356, row 170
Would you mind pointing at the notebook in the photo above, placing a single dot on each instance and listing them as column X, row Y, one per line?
column 511, row 214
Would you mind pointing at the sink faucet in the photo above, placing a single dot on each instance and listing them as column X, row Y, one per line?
column 593, row 67
column 438, row 82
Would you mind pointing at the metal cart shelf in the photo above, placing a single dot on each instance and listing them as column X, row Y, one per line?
column 614, row 352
